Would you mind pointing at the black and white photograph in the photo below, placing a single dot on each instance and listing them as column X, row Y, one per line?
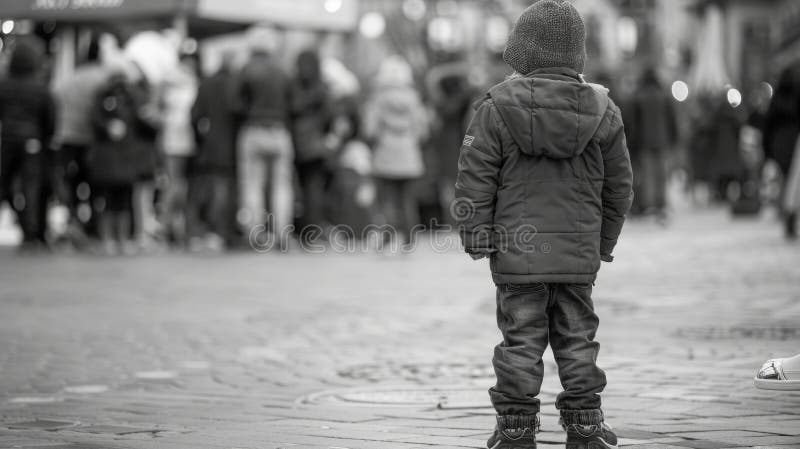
column 399, row 224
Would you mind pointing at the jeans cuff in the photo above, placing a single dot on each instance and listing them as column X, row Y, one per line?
column 518, row 422
column 582, row 417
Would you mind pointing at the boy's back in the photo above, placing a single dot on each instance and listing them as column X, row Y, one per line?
column 546, row 151
column 543, row 187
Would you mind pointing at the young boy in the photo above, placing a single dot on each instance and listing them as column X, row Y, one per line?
column 543, row 188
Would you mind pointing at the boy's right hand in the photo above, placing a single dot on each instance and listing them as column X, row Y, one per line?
column 478, row 256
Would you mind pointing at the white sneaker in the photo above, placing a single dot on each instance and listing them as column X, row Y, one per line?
column 779, row 374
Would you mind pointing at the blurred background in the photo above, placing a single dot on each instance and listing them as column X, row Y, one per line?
column 139, row 136
column 234, row 114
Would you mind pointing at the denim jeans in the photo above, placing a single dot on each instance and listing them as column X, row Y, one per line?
column 530, row 316
column 266, row 163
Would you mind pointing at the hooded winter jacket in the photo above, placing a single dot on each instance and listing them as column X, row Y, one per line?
column 544, row 179
column 27, row 108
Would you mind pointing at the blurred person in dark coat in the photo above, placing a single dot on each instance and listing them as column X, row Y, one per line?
column 728, row 166
column 265, row 154
column 655, row 135
column 27, row 117
column 452, row 97
column 123, row 138
column 311, row 118
column 782, row 129
column 213, row 169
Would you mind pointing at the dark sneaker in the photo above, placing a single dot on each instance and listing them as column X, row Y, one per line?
column 593, row 436
column 514, row 432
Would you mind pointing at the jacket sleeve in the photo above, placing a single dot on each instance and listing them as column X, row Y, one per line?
column 479, row 166
column 617, row 186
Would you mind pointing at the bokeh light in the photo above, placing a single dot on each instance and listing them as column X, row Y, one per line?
column 680, row 91
column 734, row 97
column 372, row 25
column 8, row 26
column 768, row 88
column 333, row 6
column 414, row 9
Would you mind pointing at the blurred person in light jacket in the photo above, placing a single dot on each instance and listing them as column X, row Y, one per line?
column 75, row 97
column 395, row 122
column 178, row 143
column 27, row 118
column 265, row 154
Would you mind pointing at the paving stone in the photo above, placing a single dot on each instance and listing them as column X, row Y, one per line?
column 245, row 351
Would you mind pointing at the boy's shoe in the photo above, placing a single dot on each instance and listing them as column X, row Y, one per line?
column 514, row 432
column 593, row 436
column 587, row 430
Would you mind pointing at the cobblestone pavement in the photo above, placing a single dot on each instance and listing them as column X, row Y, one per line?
column 370, row 351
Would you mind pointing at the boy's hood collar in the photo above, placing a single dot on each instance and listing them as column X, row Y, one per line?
column 551, row 112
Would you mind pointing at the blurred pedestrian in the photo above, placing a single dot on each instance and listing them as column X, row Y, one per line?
column 27, row 117
column 265, row 153
column 178, row 144
column 452, row 99
column 122, row 139
column 75, row 98
column 543, row 187
column 351, row 196
column 310, row 124
column 213, row 168
column 781, row 132
column 791, row 195
column 751, row 144
column 149, row 59
column 395, row 123
column 655, row 137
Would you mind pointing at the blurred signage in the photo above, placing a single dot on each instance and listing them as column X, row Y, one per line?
column 90, row 9
column 335, row 15
column 75, row 4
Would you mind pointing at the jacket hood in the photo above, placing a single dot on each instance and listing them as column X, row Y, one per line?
column 551, row 113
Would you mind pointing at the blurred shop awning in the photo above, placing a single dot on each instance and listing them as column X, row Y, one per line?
column 93, row 10
column 204, row 17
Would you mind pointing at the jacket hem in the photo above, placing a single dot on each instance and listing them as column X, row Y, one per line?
column 558, row 278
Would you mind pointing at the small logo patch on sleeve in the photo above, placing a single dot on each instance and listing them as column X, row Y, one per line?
column 468, row 140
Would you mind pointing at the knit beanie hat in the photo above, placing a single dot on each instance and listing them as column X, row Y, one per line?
column 550, row 33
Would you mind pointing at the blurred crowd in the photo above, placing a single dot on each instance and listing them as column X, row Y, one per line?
column 141, row 151
column 723, row 148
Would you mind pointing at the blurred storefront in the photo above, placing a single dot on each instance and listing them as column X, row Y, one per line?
column 67, row 25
